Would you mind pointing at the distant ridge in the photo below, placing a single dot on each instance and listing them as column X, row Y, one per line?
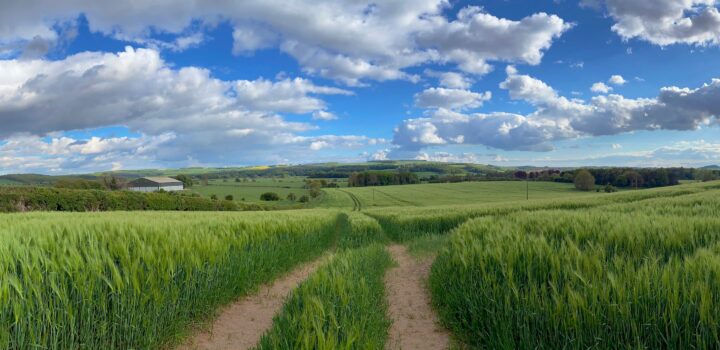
column 713, row 167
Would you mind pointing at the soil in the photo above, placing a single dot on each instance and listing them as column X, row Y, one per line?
column 241, row 324
column 415, row 324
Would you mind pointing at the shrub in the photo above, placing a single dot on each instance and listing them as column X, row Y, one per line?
column 610, row 188
column 29, row 198
column 269, row 196
column 291, row 196
column 304, row 199
column 79, row 184
column 229, row 197
column 186, row 180
column 213, row 197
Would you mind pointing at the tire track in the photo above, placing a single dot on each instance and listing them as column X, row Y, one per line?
column 241, row 324
column 415, row 324
column 357, row 204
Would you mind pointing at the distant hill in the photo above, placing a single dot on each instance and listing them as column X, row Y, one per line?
column 712, row 167
column 37, row 179
column 423, row 169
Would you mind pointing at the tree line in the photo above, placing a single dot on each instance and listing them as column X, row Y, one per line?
column 624, row 177
column 381, row 178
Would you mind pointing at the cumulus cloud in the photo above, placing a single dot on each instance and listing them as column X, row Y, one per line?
column 476, row 37
column 450, row 98
column 617, row 80
column 288, row 95
column 600, row 88
column 323, row 115
column 558, row 118
column 379, row 155
column 451, row 80
column 32, row 153
column 664, row 22
column 686, row 153
column 348, row 41
column 210, row 120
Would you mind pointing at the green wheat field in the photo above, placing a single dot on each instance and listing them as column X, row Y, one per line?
column 562, row 270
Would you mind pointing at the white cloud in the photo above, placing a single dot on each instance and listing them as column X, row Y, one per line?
column 476, row 37
column 664, row 22
column 451, row 80
column 616, row 146
column 248, row 38
column 558, row 118
column 323, row 115
column 601, row 88
column 450, row 98
column 288, row 95
column 30, row 153
column 380, row 155
column 348, row 41
column 210, row 120
column 617, row 80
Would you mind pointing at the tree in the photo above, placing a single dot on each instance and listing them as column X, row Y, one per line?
column 634, row 178
column 113, row 183
column 584, row 181
column 291, row 196
column 186, row 180
column 229, row 197
column 304, row 199
column 708, row 175
column 213, row 197
column 269, row 196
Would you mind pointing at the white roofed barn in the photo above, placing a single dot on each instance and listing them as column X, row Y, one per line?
column 156, row 183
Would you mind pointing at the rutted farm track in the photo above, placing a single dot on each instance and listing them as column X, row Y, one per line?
column 357, row 204
column 241, row 324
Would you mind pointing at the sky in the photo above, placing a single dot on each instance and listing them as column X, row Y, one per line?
column 91, row 85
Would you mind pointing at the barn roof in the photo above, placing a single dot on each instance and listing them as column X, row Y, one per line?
column 160, row 180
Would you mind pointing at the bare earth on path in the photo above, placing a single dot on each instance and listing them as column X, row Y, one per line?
column 415, row 324
column 241, row 324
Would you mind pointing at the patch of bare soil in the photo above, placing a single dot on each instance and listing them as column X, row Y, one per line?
column 241, row 324
column 415, row 324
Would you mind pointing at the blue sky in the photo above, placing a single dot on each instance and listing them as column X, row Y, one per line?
column 96, row 86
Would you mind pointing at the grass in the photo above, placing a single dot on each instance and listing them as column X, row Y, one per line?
column 427, row 245
column 360, row 230
column 635, row 269
column 424, row 195
column 341, row 306
column 638, row 277
column 251, row 191
column 137, row 280
column 403, row 223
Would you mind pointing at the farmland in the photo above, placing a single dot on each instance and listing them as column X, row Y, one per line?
column 249, row 190
column 425, row 195
column 565, row 269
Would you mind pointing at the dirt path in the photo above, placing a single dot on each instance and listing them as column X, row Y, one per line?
column 415, row 325
column 241, row 324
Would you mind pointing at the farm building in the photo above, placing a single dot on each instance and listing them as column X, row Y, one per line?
column 152, row 184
